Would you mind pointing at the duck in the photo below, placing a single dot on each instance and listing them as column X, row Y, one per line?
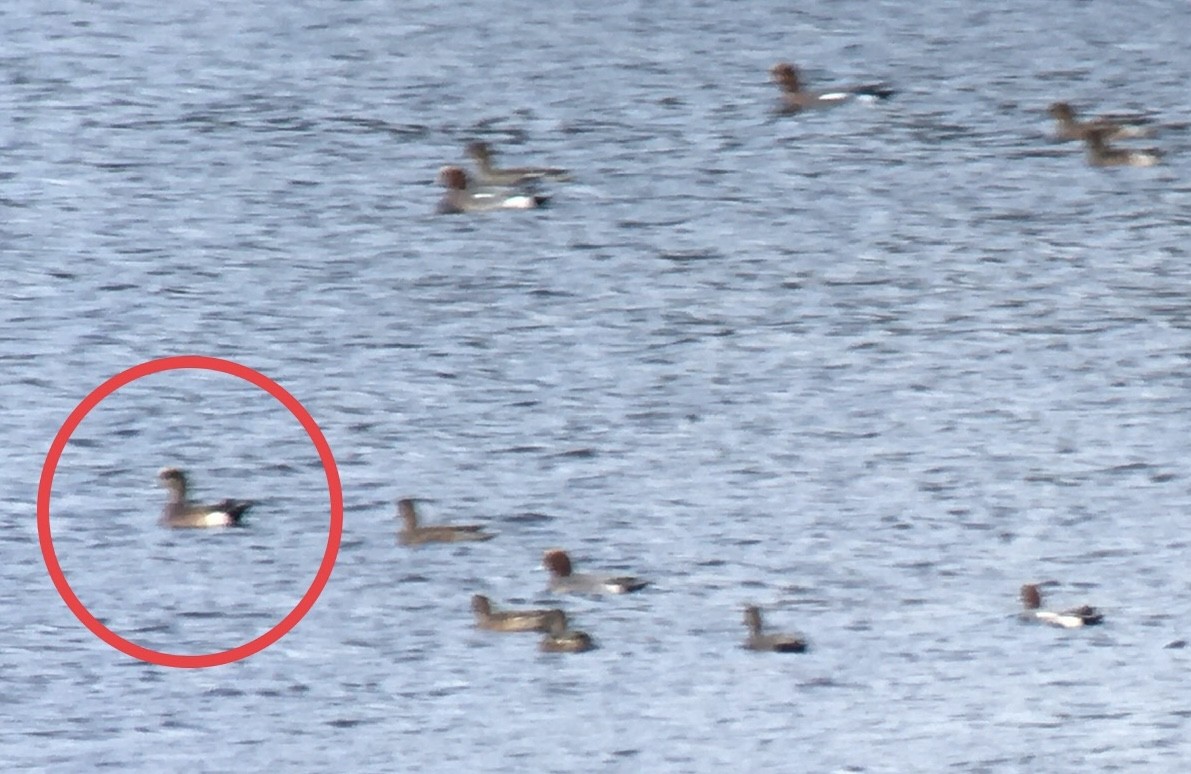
column 181, row 514
column 560, row 639
column 1101, row 154
column 1068, row 127
column 481, row 153
column 1031, row 598
column 795, row 98
column 564, row 580
column 411, row 534
column 777, row 643
column 512, row 620
column 462, row 197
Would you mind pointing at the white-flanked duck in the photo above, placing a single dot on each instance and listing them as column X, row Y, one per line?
column 181, row 514
column 1031, row 599
column 462, row 197
column 564, row 580
column 796, row 98
column 758, row 640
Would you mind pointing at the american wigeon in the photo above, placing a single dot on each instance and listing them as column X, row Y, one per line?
column 1031, row 599
column 512, row 620
column 462, row 197
column 411, row 534
column 1068, row 127
column 564, row 580
column 487, row 174
column 779, row 643
column 560, row 639
column 795, row 98
column 181, row 514
column 1101, row 154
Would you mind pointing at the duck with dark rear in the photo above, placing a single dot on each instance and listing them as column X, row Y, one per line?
column 564, row 580
column 1031, row 599
column 758, row 640
column 795, row 97
column 462, row 196
column 512, row 620
column 182, row 514
column 412, row 534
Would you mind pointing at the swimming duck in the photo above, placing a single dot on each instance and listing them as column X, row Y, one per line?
column 1101, row 154
column 462, row 197
column 1031, row 599
column 1068, row 127
column 560, row 639
column 180, row 514
column 796, row 98
column 512, row 620
column 482, row 154
column 779, row 643
column 564, row 580
column 411, row 534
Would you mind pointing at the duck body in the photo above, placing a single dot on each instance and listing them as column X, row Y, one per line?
column 488, row 174
column 775, row 643
column 1102, row 154
column 1031, row 598
column 179, row 513
column 1069, row 127
column 564, row 580
column 560, row 639
column 795, row 98
column 462, row 197
column 511, row 620
column 413, row 534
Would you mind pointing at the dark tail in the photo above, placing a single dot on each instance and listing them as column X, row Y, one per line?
column 875, row 90
column 235, row 509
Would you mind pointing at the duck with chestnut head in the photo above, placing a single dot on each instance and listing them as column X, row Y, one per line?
column 564, row 579
column 1031, row 599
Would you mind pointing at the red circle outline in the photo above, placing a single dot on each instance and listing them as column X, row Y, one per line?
column 334, row 536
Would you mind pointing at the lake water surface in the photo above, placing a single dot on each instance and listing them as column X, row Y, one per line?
column 870, row 369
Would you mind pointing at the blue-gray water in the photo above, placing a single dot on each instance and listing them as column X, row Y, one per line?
column 871, row 369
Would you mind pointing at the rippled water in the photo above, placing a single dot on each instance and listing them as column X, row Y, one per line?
column 870, row 369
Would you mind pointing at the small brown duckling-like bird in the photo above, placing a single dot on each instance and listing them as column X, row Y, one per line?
column 1031, row 599
column 411, row 534
column 560, row 639
column 1068, row 127
column 1101, row 154
column 181, row 514
column 778, row 643
column 483, row 155
column 512, row 620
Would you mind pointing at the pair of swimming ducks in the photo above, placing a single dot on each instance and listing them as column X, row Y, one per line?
column 180, row 513
column 1097, row 133
column 492, row 188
